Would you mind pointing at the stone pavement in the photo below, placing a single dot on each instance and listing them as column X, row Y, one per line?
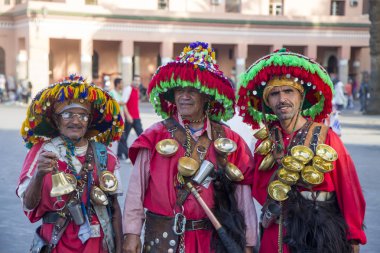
column 361, row 134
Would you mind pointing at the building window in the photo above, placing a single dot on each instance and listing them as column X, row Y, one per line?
column 233, row 6
column 163, row 4
column 276, row 7
column 337, row 7
column 365, row 7
column 95, row 65
column 2, row 61
column 91, row 2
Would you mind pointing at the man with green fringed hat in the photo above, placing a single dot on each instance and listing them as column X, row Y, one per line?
column 70, row 180
column 187, row 155
column 303, row 177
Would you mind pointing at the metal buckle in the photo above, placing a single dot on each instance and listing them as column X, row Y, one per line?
column 179, row 225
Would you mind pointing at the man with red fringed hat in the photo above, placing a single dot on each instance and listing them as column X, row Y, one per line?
column 304, row 177
column 70, row 180
column 193, row 96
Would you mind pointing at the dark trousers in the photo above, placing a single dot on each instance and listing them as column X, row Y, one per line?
column 122, row 148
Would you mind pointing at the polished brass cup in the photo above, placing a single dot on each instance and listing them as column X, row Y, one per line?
column 287, row 177
column 107, row 181
column 233, row 173
column 167, row 147
column 225, row 146
column 98, row 197
column 302, row 153
column 264, row 147
column 261, row 134
column 187, row 166
column 60, row 185
column 267, row 162
column 312, row 176
column 278, row 191
column 322, row 165
column 292, row 164
column 326, row 152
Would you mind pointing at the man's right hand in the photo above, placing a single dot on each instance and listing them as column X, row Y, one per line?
column 131, row 243
column 47, row 161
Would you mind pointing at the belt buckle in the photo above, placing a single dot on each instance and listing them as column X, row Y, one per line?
column 196, row 224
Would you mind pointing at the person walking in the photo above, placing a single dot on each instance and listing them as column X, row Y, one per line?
column 304, row 176
column 364, row 92
column 193, row 96
column 70, row 180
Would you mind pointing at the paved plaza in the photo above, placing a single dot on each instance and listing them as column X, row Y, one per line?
column 361, row 135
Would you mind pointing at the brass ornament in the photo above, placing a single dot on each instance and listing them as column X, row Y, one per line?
column 311, row 175
column 167, row 147
column 267, row 163
column 265, row 147
column 302, row 153
column 233, row 173
column 278, row 191
column 71, row 179
column 187, row 166
column 225, row 146
column 322, row 165
column 98, row 197
column 326, row 152
column 291, row 164
column 60, row 185
column 261, row 134
column 288, row 177
column 107, row 181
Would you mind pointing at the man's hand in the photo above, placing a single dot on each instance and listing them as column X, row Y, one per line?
column 46, row 162
column 131, row 244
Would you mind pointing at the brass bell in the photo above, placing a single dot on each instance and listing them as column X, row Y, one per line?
column 61, row 186
column 107, row 181
column 98, row 197
column 261, row 134
column 264, row 147
column 267, row 162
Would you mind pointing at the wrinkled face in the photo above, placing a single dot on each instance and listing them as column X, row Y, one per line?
column 284, row 101
column 190, row 103
column 73, row 123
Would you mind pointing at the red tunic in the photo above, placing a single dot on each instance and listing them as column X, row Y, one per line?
column 343, row 180
column 69, row 242
column 160, row 194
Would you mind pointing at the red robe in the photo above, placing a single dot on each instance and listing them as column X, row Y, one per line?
column 343, row 180
column 69, row 242
column 160, row 196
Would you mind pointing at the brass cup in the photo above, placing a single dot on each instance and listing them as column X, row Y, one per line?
column 107, row 181
column 302, row 153
column 167, row 147
column 278, row 191
column 292, row 164
column 267, row 162
column 322, row 165
column 312, row 176
column 261, row 134
column 98, row 197
column 326, row 152
column 264, row 147
column 288, row 177
column 233, row 173
column 187, row 166
column 225, row 146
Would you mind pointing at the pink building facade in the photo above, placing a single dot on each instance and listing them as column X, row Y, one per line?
column 43, row 41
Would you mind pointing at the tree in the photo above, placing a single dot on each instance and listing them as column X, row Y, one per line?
column 374, row 43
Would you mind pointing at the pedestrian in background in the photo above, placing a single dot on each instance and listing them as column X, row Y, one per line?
column 348, row 93
column 339, row 99
column 69, row 179
column 364, row 92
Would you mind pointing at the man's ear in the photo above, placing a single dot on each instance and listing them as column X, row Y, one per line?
column 55, row 121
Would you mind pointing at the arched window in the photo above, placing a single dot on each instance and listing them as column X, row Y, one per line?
column 2, row 61
column 95, row 65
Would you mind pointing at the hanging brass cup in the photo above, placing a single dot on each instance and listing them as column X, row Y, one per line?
column 167, row 147
column 225, row 146
column 302, row 153
column 233, row 173
column 187, row 166
column 312, row 176
column 264, row 147
column 322, row 165
column 107, row 181
column 326, row 152
column 292, row 164
column 261, row 134
column 98, row 197
column 267, row 162
column 288, row 177
column 278, row 191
